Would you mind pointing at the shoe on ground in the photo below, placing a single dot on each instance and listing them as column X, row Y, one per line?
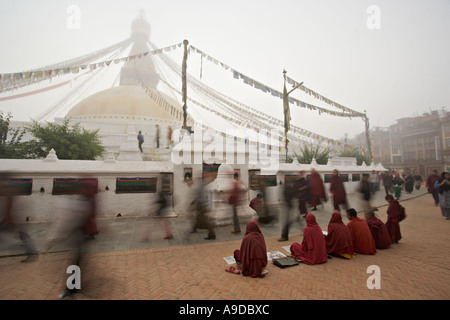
column 210, row 238
column 283, row 239
column 236, row 231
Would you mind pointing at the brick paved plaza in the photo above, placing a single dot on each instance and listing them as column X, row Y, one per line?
column 416, row 268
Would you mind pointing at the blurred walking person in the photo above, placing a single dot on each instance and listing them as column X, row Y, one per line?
column 337, row 189
column 365, row 190
column 443, row 187
column 417, row 181
column 235, row 198
column 158, row 133
column 316, row 190
column 398, row 182
column 409, row 183
column 373, row 179
column 431, row 180
column 160, row 216
column 90, row 228
column 201, row 207
column 287, row 212
column 9, row 209
column 73, row 212
column 302, row 193
column 387, row 182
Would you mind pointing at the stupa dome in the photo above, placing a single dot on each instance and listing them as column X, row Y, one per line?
column 123, row 101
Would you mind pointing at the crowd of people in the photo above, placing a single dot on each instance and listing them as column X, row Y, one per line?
column 359, row 236
column 74, row 224
column 362, row 236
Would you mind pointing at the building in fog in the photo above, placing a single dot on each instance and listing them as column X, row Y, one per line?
column 416, row 144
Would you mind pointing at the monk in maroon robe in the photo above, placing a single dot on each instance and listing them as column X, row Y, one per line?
column 379, row 231
column 316, row 189
column 313, row 249
column 90, row 227
column 337, row 189
column 339, row 239
column 253, row 253
column 363, row 242
column 395, row 213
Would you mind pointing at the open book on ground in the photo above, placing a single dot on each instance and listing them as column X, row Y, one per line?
column 275, row 255
column 287, row 249
column 230, row 260
column 270, row 256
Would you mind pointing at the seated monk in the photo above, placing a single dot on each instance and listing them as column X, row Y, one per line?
column 313, row 249
column 339, row 239
column 253, row 253
column 363, row 242
column 378, row 229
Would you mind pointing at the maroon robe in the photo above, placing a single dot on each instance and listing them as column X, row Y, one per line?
column 316, row 189
column 337, row 189
column 395, row 213
column 379, row 232
column 339, row 239
column 362, row 237
column 90, row 226
column 313, row 249
column 253, row 252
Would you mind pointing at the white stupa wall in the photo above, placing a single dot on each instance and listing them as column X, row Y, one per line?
column 39, row 205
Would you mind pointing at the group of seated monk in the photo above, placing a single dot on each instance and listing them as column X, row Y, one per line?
column 362, row 236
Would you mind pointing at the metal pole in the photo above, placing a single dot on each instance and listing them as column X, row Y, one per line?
column 287, row 113
column 184, row 82
column 369, row 142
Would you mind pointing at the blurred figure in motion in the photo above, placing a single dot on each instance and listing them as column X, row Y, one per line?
column 160, row 215
column 289, row 193
column 74, row 216
column 365, row 190
column 201, row 207
column 337, row 189
column 257, row 204
column 302, row 193
column 9, row 210
column 316, row 189
column 236, row 194
column 90, row 228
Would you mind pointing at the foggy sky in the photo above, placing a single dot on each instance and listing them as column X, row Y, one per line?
column 399, row 70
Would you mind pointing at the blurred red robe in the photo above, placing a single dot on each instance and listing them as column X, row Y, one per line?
column 316, row 189
column 337, row 189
